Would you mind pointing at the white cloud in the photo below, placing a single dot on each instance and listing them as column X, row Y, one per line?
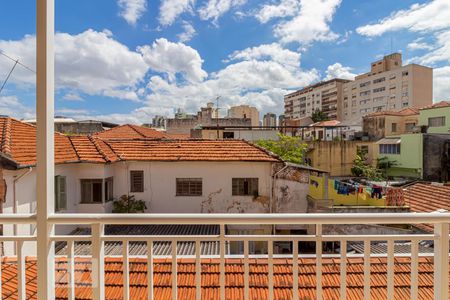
column 171, row 9
column 188, row 33
column 72, row 96
column 311, row 23
column 419, row 46
column 273, row 52
column 214, row 9
column 174, row 58
column 440, row 50
column 426, row 17
column 440, row 83
column 132, row 10
column 11, row 106
column 339, row 71
column 92, row 62
column 286, row 8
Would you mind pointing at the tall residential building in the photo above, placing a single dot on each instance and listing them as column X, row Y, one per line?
column 244, row 111
column 322, row 96
column 159, row 121
column 388, row 86
column 270, row 119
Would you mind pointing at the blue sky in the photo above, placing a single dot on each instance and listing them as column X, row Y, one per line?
column 127, row 60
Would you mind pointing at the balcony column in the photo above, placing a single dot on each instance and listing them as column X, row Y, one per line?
column 441, row 259
column 44, row 147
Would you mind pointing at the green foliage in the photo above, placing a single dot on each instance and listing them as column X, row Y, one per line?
column 319, row 116
column 385, row 164
column 362, row 169
column 128, row 204
column 288, row 148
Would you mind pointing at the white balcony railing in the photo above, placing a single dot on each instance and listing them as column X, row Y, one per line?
column 440, row 237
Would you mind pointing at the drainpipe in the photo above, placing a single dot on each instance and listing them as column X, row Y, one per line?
column 15, row 180
column 274, row 177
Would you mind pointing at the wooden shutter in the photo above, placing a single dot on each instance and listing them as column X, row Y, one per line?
column 136, row 181
column 60, row 193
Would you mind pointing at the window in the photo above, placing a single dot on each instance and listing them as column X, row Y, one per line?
column 189, row 187
column 364, row 93
column 362, row 102
column 364, row 84
column 405, row 73
column 390, row 149
column 245, row 186
column 109, row 192
column 91, row 190
column 394, row 127
column 436, row 122
column 136, row 181
column 381, row 89
column 228, row 135
column 379, row 80
column 60, row 193
column 409, row 127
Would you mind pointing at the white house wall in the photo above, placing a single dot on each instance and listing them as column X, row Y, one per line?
column 160, row 186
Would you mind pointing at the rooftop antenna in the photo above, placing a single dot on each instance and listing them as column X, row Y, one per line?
column 9, row 75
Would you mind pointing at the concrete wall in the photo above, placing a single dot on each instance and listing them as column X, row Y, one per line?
column 378, row 127
column 336, row 157
column 436, row 153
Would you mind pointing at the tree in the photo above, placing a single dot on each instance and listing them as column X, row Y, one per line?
column 319, row 116
column 288, row 148
column 362, row 169
column 385, row 164
column 128, row 204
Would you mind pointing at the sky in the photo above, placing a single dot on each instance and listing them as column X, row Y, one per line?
column 125, row 61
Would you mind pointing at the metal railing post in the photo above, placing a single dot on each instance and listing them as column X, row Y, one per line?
column 44, row 147
column 441, row 249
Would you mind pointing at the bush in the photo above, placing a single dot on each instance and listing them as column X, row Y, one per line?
column 128, row 204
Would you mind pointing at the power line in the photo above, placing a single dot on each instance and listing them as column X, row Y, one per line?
column 9, row 74
column 16, row 60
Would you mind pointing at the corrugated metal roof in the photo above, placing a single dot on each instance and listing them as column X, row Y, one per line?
column 399, row 248
column 140, row 248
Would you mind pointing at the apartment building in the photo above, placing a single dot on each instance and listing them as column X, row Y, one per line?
column 270, row 119
column 243, row 112
column 388, row 86
column 322, row 96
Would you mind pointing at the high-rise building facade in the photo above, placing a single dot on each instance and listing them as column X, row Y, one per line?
column 244, row 111
column 270, row 119
column 388, row 86
column 322, row 96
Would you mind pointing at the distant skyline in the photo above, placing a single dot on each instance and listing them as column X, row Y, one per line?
column 125, row 61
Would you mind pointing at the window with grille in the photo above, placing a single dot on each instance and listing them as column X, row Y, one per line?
column 245, row 186
column 136, row 181
column 436, row 121
column 390, row 148
column 189, row 187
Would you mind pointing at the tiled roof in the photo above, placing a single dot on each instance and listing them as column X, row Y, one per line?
column 179, row 136
column 437, row 105
column 424, row 197
column 18, row 142
column 258, row 278
column 188, row 150
column 130, row 132
column 327, row 123
column 409, row 111
column 127, row 142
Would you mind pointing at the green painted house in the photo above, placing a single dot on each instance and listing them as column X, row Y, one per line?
column 423, row 155
column 436, row 117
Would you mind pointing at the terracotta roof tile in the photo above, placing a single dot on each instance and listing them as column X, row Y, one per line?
column 409, row 111
column 127, row 142
column 437, row 105
column 258, row 278
column 423, row 197
column 130, row 132
column 188, row 150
